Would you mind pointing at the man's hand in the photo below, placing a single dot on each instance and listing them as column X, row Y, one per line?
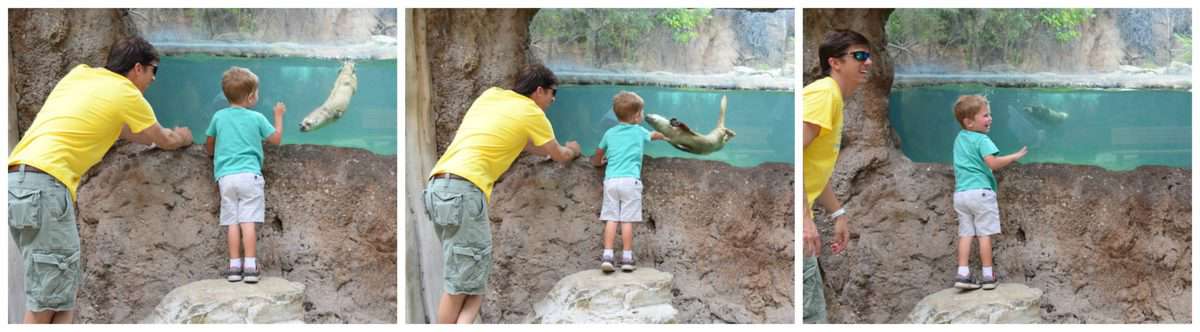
column 812, row 238
column 575, row 149
column 841, row 234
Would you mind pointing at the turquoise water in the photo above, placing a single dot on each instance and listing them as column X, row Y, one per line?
column 763, row 120
column 187, row 92
column 1113, row 129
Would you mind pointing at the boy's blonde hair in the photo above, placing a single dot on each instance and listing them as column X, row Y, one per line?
column 626, row 105
column 238, row 83
column 967, row 107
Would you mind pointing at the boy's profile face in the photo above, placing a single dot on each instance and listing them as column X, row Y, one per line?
column 981, row 122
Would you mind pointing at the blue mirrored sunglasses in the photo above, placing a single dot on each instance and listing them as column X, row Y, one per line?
column 861, row 55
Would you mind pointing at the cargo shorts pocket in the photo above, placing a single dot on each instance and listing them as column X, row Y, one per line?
column 25, row 208
column 467, row 267
column 51, row 276
column 444, row 209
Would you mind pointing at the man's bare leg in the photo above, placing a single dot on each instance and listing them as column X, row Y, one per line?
column 64, row 317
column 470, row 309
column 450, row 308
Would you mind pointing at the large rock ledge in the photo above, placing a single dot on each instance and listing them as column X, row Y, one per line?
column 724, row 233
column 149, row 220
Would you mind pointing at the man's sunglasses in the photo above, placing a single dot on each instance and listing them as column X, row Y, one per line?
column 861, row 55
column 155, row 68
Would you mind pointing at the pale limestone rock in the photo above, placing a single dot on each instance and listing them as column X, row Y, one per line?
column 593, row 297
column 216, row 301
column 1007, row 304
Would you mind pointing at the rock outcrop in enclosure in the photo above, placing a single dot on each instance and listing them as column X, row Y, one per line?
column 594, row 297
column 216, row 301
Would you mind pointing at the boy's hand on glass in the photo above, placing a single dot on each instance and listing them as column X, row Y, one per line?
column 1022, row 152
column 280, row 108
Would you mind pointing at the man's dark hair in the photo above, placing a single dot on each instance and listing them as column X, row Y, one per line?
column 128, row 52
column 533, row 76
column 835, row 44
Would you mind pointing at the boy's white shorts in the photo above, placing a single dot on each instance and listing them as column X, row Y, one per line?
column 622, row 200
column 978, row 212
column 241, row 198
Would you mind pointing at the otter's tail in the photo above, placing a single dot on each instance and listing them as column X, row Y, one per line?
column 721, row 118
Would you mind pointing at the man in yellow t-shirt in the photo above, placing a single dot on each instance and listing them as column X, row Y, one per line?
column 845, row 59
column 498, row 126
column 81, row 119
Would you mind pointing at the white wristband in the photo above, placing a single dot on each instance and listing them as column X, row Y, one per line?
column 838, row 213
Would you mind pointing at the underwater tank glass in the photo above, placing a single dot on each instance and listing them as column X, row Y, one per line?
column 763, row 120
column 1113, row 129
column 187, row 91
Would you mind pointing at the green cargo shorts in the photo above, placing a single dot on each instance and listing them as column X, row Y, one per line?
column 41, row 220
column 814, row 293
column 459, row 214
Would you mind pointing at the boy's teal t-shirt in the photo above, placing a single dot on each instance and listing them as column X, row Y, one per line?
column 623, row 145
column 239, row 133
column 970, row 171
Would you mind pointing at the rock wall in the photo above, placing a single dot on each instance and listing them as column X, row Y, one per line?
column 1105, row 246
column 149, row 223
column 727, row 39
column 298, row 25
column 732, row 260
column 72, row 36
column 1105, row 43
column 725, row 233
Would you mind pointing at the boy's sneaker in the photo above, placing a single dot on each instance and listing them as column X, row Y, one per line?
column 965, row 283
column 250, row 275
column 606, row 264
column 233, row 274
column 988, row 283
column 627, row 264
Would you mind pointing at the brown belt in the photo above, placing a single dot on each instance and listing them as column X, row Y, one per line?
column 30, row 169
column 449, row 176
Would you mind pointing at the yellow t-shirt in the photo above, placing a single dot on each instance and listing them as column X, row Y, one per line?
column 79, row 122
column 822, row 107
column 493, row 132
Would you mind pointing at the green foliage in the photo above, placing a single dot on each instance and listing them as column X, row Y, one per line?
column 1185, row 42
column 612, row 35
column 683, row 21
column 982, row 34
column 205, row 19
column 1065, row 22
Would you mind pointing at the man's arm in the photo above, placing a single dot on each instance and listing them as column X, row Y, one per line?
column 167, row 139
column 556, row 151
column 812, row 238
column 841, row 232
column 996, row 163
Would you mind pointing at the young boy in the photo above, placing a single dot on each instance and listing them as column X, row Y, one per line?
column 621, row 149
column 975, row 188
column 237, row 166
